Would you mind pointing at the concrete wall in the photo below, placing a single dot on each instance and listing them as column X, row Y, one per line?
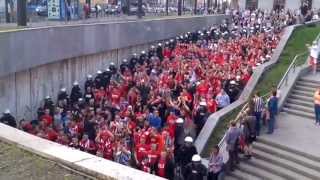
column 24, row 49
column 242, row 4
column 266, row 4
column 316, row 4
column 293, row 4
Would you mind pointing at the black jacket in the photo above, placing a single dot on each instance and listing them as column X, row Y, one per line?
column 9, row 120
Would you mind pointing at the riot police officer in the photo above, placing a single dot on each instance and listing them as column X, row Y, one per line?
column 89, row 82
column 233, row 90
column 113, row 68
column 195, row 170
column 63, row 98
column 152, row 52
column 172, row 44
column 8, row 119
column 201, row 116
column 159, row 51
column 75, row 93
column 98, row 80
column 142, row 58
column 48, row 104
column 106, row 77
column 124, row 65
column 185, row 152
column 133, row 62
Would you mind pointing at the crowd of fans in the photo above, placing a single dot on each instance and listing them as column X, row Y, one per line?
column 146, row 113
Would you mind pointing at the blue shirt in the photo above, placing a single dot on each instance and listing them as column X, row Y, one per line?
column 273, row 105
column 155, row 121
column 223, row 100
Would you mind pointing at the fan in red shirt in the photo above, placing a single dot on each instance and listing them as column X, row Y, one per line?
column 141, row 150
column 109, row 148
column 171, row 123
column 51, row 134
column 47, row 118
column 153, row 155
column 161, row 166
column 87, row 145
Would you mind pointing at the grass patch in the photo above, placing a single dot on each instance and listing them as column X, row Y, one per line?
column 296, row 45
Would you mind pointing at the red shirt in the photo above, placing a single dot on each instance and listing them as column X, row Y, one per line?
column 51, row 135
column 47, row 119
column 108, row 150
column 171, row 123
column 212, row 105
column 161, row 168
column 141, row 151
column 153, row 156
column 115, row 96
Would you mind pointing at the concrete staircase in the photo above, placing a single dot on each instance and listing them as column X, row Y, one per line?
column 300, row 101
column 276, row 162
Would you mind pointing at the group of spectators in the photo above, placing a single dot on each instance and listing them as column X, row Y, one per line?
column 147, row 112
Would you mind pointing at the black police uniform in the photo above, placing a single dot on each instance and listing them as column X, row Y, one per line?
column 200, row 118
column 195, row 171
column 9, row 120
column 183, row 155
column 88, row 83
column 75, row 94
column 98, row 81
column 159, row 52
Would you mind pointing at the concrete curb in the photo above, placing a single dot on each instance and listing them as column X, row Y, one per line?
column 75, row 159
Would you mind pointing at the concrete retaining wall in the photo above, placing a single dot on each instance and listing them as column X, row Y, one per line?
column 24, row 49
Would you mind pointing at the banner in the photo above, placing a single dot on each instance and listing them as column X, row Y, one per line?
column 54, row 9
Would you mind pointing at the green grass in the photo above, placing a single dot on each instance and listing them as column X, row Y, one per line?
column 296, row 45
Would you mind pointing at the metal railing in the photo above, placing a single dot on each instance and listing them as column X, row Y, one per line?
column 296, row 62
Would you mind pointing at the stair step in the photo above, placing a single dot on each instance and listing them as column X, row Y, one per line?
column 308, row 84
column 230, row 177
column 258, row 172
column 309, row 80
column 281, row 148
column 302, row 103
column 240, row 175
column 275, row 169
column 299, row 113
column 299, row 107
column 304, row 98
column 305, row 88
column 303, row 93
column 290, row 165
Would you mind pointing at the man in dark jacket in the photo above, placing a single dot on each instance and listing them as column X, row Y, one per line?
column 75, row 93
column 8, row 119
column 195, row 170
column 184, row 154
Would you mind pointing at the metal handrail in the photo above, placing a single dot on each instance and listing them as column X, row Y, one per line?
column 292, row 66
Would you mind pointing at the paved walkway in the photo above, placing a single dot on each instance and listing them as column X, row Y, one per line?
column 297, row 132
